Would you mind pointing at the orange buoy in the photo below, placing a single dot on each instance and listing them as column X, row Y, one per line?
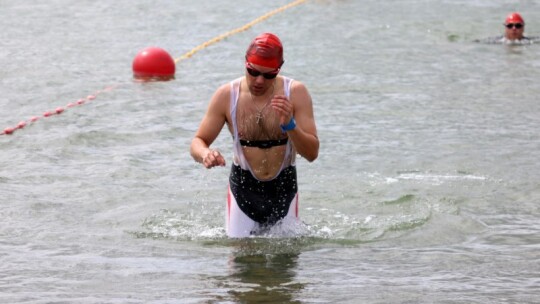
column 153, row 63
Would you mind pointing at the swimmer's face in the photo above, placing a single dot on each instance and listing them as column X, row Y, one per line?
column 259, row 78
column 514, row 31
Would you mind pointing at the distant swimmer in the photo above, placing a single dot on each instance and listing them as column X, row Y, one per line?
column 513, row 33
column 270, row 118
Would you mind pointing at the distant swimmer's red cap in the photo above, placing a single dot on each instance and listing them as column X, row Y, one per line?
column 514, row 18
column 265, row 50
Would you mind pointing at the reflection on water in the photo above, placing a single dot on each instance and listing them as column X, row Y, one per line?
column 263, row 271
column 266, row 278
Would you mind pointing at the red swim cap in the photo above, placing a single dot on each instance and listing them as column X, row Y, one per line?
column 514, row 18
column 265, row 50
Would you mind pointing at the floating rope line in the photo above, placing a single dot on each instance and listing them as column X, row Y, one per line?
column 57, row 111
column 237, row 30
column 60, row 110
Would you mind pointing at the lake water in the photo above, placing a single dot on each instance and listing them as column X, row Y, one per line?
column 426, row 189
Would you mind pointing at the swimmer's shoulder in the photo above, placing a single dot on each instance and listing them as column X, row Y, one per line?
column 503, row 40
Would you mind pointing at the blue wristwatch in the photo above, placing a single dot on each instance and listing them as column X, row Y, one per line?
column 290, row 126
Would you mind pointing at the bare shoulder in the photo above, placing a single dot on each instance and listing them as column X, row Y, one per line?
column 223, row 92
column 296, row 85
column 220, row 99
column 299, row 92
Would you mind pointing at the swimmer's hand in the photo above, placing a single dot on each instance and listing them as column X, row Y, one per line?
column 213, row 158
column 284, row 108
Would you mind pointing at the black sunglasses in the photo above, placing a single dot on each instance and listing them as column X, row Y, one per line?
column 516, row 25
column 255, row 73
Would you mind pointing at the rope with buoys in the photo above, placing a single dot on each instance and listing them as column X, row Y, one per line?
column 56, row 111
column 163, row 62
column 237, row 30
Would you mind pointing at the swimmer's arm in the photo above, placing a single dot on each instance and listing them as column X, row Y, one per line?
column 209, row 129
column 304, row 136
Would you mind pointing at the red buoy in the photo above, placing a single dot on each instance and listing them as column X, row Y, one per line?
column 153, row 63
column 8, row 130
